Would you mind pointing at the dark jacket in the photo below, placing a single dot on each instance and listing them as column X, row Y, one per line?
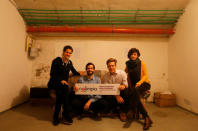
column 60, row 71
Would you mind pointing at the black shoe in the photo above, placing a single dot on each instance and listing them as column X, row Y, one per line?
column 123, row 117
column 147, row 124
column 55, row 122
column 67, row 120
column 97, row 117
column 79, row 117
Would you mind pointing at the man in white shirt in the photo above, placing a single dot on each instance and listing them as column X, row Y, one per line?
column 116, row 77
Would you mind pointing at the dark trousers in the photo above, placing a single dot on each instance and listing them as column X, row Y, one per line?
column 142, row 110
column 140, row 90
column 143, row 87
column 62, row 98
column 131, row 102
column 133, row 99
column 113, row 105
column 79, row 102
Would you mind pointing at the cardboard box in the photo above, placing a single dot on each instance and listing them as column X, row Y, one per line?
column 164, row 100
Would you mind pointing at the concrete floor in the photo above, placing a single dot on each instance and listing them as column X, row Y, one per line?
column 27, row 117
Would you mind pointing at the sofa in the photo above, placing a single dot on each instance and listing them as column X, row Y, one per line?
column 39, row 94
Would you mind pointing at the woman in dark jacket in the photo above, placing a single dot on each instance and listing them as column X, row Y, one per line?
column 59, row 74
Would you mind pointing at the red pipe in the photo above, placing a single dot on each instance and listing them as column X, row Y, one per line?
column 98, row 30
column 94, row 29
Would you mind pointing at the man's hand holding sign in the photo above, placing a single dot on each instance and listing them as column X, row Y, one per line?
column 97, row 89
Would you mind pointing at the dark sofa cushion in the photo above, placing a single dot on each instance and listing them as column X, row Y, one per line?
column 36, row 92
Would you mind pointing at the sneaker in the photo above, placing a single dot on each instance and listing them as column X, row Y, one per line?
column 67, row 120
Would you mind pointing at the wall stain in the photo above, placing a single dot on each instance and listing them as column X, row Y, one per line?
column 44, row 69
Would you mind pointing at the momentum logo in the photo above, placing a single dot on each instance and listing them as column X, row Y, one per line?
column 84, row 89
column 97, row 89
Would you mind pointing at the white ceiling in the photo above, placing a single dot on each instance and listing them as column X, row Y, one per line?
column 102, row 4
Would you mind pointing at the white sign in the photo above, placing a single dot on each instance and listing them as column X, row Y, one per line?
column 97, row 89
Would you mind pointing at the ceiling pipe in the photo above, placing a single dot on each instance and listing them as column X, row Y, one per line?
column 98, row 30
column 93, row 10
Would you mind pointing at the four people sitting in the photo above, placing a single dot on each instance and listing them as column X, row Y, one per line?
column 133, row 85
